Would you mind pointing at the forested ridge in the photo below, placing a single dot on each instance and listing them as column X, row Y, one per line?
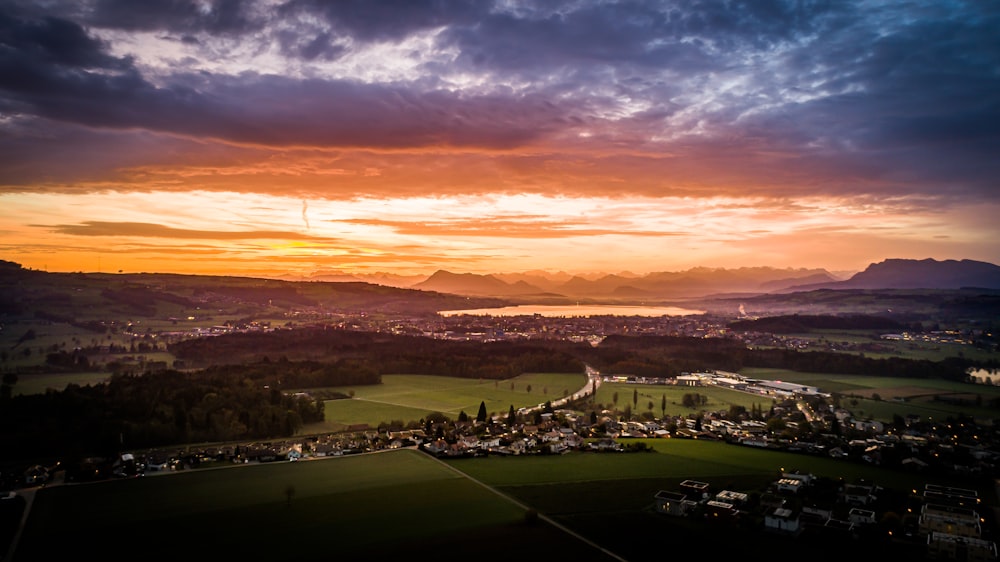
column 388, row 353
column 667, row 356
column 801, row 323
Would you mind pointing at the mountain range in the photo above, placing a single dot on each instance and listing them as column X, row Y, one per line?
column 695, row 282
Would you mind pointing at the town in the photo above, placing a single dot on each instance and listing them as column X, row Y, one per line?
column 802, row 419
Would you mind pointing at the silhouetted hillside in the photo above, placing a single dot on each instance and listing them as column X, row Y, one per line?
column 791, row 324
column 474, row 284
column 918, row 274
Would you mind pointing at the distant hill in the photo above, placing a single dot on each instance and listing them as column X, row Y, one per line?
column 917, row 274
column 695, row 282
column 779, row 284
column 474, row 284
column 86, row 298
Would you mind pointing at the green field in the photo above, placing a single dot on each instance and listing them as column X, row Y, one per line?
column 718, row 398
column 404, row 503
column 673, row 460
column 40, row 383
column 413, row 397
column 380, row 505
column 927, row 398
column 910, row 349
column 609, row 496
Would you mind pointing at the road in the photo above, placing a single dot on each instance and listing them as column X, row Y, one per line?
column 593, row 382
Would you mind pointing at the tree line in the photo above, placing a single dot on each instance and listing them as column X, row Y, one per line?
column 386, row 353
column 669, row 356
column 165, row 408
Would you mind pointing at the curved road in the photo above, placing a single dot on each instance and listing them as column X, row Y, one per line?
column 593, row 382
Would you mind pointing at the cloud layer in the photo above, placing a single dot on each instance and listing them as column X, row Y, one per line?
column 890, row 105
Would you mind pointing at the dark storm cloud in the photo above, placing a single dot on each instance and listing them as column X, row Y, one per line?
column 94, row 89
column 49, row 41
column 904, row 95
column 695, row 37
column 388, row 20
column 278, row 111
column 216, row 16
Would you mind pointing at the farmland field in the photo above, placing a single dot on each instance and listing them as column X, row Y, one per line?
column 609, row 496
column 39, row 383
column 412, row 397
column 881, row 398
column 718, row 398
column 405, row 503
column 377, row 506
column 910, row 349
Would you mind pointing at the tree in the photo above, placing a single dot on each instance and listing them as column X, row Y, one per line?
column 481, row 416
column 650, row 405
column 663, row 405
column 528, row 389
column 635, row 397
column 614, row 398
column 462, row 416
column 510, row 416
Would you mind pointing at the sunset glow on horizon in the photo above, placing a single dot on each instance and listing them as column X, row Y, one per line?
column 297, row 137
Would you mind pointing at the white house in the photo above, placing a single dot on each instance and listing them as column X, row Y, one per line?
column 782, row 520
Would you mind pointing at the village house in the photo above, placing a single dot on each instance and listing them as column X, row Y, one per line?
column 861, row 516
column 944, row 546
column 720, row 512
column 672, row 503
column 960, row 521
column 695, row 488
column 859, row 494
column 782, row 520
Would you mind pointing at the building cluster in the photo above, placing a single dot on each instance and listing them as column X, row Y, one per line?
column 946, row 521
column 569, row 328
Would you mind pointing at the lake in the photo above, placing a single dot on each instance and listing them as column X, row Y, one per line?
column 562, row 311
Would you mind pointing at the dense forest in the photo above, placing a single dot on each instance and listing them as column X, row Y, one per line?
column 170, row 407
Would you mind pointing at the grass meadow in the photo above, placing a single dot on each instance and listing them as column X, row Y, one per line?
column 609, row 497
column 910, row 349
column 880, row 398
column 404, row 503
column 413, row 397
column 397, row 503
column 718, row 398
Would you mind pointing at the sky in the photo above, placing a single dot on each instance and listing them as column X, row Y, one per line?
column 299, row 137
